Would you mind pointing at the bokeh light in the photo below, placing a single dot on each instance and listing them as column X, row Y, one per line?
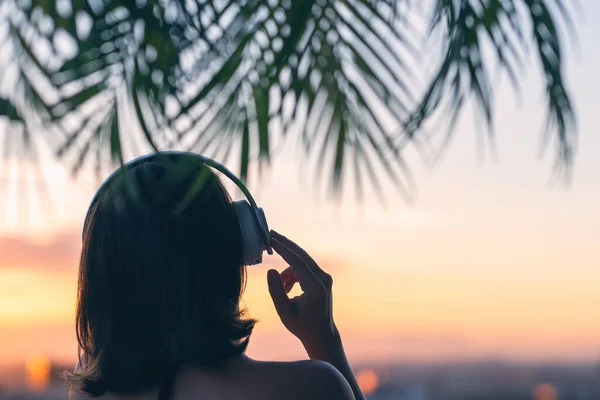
column 368, row 381
column 38, row 372
column 545, row 391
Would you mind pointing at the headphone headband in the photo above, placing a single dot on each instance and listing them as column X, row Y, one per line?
column 257, row 212
column 157, row 155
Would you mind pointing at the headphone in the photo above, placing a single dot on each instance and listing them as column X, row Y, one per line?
column 253, row 224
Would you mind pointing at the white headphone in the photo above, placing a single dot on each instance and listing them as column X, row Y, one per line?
column 253, row 224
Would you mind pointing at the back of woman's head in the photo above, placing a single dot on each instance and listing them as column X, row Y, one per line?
column 160, row 278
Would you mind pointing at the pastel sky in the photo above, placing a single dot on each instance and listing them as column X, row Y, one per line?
column 489, row 262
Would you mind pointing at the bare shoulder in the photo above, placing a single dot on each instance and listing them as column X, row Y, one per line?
column 309, row 379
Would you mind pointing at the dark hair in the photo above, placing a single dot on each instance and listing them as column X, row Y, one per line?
column 159, row 284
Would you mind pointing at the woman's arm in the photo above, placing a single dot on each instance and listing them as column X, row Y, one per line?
column 332, row 351
column 309, row 316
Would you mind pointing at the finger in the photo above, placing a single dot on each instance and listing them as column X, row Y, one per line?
column 324, row 276
column 298, row 250
column 288, row 287
column 289, row 279
column 278, row 295
column 288, row 275
column 307, row 279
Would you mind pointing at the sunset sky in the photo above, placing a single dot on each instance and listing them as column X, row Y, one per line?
column 490, row 261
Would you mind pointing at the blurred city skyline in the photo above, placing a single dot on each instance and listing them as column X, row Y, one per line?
column 481, row 380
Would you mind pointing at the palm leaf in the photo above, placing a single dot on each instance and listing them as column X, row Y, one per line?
column 465, row 71
column 345, row 74
column 9, row 111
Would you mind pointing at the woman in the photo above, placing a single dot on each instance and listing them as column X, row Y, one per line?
column 158, row 308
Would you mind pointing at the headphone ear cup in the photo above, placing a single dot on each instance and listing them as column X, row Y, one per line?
column 264, row 231
column 252, row 240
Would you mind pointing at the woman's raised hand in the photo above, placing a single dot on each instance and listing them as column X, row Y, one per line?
column 308, row 316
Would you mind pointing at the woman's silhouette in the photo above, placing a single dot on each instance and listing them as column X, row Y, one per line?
column 158, row 308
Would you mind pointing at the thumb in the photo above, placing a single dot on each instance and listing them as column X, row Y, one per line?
column 277, row 291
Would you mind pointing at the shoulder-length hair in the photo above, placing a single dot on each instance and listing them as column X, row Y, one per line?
column 160, row 278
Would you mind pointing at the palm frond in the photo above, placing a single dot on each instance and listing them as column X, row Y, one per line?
column 509, row 28
column 212, row 76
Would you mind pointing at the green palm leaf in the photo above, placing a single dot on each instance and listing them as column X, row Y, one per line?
column 206, row 75
column 510, row 26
